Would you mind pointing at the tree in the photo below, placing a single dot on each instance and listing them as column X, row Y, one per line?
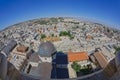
column 43, row 36
column 52, row 35
column 116, row 49
column 71, row 37
column 66, row 33
column 76, row 66
column 63, row 33
column 60, row 51
column 86, row 69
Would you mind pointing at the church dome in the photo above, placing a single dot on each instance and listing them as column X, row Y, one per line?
column 46, row 49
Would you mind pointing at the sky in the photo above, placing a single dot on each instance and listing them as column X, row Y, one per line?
column 103, row 11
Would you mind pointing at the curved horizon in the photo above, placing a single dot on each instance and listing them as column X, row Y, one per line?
column 101, row 11
column 80, row 18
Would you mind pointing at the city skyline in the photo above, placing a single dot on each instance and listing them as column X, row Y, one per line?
column 14, row 11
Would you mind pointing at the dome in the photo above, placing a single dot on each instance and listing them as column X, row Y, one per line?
column 117, row 59
column 46, row 49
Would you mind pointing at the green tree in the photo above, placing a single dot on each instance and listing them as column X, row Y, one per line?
column 76, row 66
column 65, row 33
column 86, row 69
column 71, row 37
column 43, row 36
column 116, row 49
column 52, row 35
column 60, row 51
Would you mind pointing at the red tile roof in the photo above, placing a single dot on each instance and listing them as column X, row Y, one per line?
column 77, row 56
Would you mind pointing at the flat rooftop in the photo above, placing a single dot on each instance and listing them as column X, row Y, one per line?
column 43, row 70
